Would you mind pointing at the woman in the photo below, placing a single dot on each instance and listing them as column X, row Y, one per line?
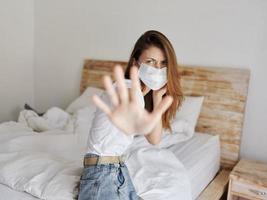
column 145, row 110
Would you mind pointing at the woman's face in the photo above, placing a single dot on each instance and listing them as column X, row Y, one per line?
column 154, row 57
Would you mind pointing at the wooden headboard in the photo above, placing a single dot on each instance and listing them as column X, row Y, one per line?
column 225, row 91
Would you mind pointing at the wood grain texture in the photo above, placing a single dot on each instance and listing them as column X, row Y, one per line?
column 250, row 171
column 216, row 188
column 248, row 179
column 225, row 91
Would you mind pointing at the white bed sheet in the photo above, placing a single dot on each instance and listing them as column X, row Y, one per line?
column 201, row 157
column 10, row 194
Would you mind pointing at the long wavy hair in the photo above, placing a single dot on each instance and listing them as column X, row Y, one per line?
column 157, row 39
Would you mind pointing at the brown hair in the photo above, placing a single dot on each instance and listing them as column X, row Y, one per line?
column 157, row 39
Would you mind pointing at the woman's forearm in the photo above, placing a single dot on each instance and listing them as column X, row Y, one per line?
column 154, row 136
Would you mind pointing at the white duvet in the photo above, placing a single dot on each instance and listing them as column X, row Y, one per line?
column 48, row 164
column 156, row 173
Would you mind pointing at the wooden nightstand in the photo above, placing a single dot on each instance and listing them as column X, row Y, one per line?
column 248, row 180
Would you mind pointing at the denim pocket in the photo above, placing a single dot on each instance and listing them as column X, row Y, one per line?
column 91, row 173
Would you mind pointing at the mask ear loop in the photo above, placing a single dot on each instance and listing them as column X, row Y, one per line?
column 141, row 82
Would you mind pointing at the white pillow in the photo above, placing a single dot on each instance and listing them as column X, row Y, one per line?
column 85, row 100
column 190, row 110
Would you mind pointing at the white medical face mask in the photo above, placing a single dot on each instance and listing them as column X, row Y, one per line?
column 152, row 77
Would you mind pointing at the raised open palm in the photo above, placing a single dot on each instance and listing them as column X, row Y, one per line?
column 127, row 114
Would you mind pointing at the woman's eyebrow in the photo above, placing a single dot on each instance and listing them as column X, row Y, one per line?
column 165, row 60
column 151, row 58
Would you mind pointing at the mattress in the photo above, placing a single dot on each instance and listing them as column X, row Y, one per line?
column 201, row 157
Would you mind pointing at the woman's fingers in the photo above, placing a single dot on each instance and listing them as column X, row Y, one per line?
column 110, row 90
column 101, row 104
column 122, row 90
column 163, row 90
column 161, row 108
column 135, row 83
column 145, row 90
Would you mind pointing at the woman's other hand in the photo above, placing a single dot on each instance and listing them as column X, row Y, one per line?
column 158, row 94
column 126, row 113
column 145, row 90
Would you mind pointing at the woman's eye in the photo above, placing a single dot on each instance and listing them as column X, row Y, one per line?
column 150, row 62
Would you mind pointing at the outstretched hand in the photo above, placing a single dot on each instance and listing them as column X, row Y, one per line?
column 127, row 114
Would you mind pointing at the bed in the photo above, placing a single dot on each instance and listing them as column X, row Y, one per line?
column 219, row 125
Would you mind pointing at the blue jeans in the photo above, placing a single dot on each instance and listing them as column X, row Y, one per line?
column 106, row 182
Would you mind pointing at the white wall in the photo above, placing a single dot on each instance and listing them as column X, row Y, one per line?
column 16, row 57
column 215, row 33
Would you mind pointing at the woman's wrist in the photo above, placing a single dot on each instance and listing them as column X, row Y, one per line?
column 156, row 100
column 155, row 103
